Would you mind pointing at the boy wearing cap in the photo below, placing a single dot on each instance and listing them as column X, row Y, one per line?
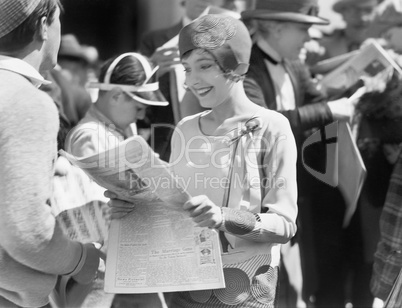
column 125, row 92
column 278, row 80
column 34, row 251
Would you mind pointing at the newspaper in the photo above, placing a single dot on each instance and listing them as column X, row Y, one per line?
column 157, row 247
column 352, row 171
column 80, row 207
column 134, row 173
column 371, row 60
column 325, row 66
column 82, row 212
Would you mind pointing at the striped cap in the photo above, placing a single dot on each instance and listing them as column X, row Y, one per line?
column 14, row 12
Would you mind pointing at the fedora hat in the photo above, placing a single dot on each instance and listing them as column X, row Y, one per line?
column 341, row 5
column 302, row 11
column 71, row 48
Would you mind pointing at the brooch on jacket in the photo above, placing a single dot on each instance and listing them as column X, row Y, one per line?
column 250, row 126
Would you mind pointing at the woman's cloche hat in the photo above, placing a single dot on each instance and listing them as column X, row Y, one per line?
column 225, row 37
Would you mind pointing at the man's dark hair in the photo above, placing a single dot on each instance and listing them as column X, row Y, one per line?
column 24, row 34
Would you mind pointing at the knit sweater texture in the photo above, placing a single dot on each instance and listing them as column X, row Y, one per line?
column 33, row 248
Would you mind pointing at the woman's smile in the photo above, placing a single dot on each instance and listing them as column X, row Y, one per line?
column 203, row 91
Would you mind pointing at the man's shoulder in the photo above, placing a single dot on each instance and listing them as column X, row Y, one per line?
column 161, row 36
column 22, row 95
column 88, row 125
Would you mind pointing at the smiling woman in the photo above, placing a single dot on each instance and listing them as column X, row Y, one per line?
column 241, row 145
column 238, row 161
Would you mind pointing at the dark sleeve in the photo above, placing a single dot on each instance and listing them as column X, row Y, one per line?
column 309, row 116
column 314, row 111
column 147, row 46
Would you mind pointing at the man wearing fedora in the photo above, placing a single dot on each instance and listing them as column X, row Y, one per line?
column 34, row 251
column 76, row 60
column 278, row 80
column 357, row 15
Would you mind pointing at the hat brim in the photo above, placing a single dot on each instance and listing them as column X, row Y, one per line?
column 293, row 17
column 154, row 98
column 340, row 6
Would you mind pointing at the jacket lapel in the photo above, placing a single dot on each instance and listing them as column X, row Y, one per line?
column 261, row 73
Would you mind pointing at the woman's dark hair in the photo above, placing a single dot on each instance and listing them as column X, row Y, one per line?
column 24, row 34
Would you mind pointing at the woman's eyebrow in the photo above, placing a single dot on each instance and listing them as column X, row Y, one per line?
column 205, row 59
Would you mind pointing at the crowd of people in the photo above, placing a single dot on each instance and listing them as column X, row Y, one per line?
column 253, row 95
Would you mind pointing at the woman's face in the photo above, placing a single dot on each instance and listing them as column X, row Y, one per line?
column 205, row 79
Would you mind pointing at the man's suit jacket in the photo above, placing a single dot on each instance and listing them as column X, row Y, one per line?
column 311, row 110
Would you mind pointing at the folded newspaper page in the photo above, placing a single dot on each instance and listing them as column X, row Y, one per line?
column 156, row 247
column 82, row 212
column 371, row 60
column 133, row 172
column 80, row 207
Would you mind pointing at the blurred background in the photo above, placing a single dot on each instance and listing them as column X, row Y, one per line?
column 115, row 26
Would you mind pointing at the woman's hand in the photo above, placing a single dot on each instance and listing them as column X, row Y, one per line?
column 204, row 212
column 118, row 208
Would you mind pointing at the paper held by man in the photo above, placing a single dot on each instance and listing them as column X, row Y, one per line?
column 156, row 247
column 369, row 61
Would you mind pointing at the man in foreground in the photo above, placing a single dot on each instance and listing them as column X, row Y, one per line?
column 33, row 249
